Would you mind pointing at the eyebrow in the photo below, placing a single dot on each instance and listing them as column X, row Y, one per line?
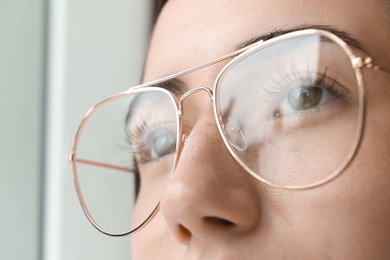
column 349, row 39
column 178, row 86
column 175, row 85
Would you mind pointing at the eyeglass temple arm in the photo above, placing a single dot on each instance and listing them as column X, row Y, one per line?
column 104, row 165
column 368, row 63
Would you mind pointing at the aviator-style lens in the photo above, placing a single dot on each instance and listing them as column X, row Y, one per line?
column 296, row 103
column 129, row 142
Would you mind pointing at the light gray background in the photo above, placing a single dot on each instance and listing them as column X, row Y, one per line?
column 58, row 58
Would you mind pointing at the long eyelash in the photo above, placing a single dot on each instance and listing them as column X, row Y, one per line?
column 131, row 145
column 277, row 84
column 133, row 137
column 132, row 142
column 321, row 82
column 274, row 87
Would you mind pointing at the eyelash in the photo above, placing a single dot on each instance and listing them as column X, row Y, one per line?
column 135, row 135
column 133, row 139
column 282, row 84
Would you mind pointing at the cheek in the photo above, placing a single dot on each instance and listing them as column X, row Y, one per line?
column 154, row 177
column 375, row 150
column 155, row 242
column 355, row 206
column 344, row 219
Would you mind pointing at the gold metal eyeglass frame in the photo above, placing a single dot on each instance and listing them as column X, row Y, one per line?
column 357, row 62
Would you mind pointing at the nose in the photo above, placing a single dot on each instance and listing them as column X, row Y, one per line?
column 209, row 195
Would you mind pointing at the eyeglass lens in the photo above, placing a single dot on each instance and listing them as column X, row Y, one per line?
column 130, row 142
column 289, row 111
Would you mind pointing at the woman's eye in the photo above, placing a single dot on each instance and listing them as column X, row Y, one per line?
column 152, row 139
column 155, row 143
column 162, row 144
column 304, row 98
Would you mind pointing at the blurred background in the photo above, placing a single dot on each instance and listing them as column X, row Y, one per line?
column 57, row 59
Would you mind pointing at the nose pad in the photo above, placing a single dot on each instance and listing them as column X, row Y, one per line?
column 182, row 143
column 233, row 133
column 184, row 138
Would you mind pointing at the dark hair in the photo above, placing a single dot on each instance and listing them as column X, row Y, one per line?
column 158, row 6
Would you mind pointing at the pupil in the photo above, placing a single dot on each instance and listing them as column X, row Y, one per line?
column 305, row 98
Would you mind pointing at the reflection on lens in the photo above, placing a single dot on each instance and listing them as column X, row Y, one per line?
column 124, row 158
column 296, row 102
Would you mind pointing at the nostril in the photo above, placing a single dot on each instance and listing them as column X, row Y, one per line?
column 219, row 221
column 184, row 234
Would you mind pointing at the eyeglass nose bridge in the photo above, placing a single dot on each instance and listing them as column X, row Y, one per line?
column 193, row 91
column 184, row 136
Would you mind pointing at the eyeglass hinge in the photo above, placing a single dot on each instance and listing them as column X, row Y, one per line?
column 71, row 157
column 358, row 62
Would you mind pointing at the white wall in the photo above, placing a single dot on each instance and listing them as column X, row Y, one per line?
column 21, row 105
column 96, row 49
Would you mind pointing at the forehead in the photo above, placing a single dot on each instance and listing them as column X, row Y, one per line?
column 191, row 32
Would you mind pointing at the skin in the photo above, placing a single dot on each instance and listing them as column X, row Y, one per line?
column 211, row 208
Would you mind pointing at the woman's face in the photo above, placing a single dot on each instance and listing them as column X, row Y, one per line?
column 213, row 209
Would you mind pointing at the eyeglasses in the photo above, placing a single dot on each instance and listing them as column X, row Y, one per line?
column 290, row 110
